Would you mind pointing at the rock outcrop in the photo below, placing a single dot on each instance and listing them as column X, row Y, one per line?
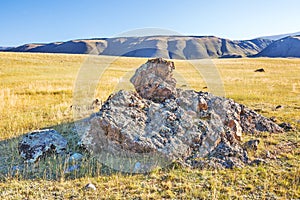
column 39, row 143
column 179, row 124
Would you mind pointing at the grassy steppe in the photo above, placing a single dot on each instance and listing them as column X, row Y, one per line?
column 36, row 92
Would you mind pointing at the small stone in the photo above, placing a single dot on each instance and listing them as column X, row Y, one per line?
column 90, row 186
column 38, row 143
column 75, row 157
column 137, row 167
column 251, row 145
column 260, row 70
column 286, row 126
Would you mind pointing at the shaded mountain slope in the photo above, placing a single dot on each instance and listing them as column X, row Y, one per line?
column 286, row 47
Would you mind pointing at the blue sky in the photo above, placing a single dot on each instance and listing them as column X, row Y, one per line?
column 27, row 21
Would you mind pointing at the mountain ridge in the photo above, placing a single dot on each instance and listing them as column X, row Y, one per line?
column 285, row 47
column 280, row 36
column 176, row 47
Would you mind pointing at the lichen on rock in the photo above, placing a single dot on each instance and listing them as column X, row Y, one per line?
column 39, row 143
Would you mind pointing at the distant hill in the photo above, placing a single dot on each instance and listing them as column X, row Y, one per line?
column 176, row 47
column 285, row 47
column 277, row 37
column 4, row 48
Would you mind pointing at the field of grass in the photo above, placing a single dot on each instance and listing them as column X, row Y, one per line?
column 36, row 91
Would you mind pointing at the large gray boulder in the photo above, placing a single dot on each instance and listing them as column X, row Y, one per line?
column 179, row 124
column 39, row 143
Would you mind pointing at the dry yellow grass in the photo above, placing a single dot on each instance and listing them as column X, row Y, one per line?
column 36, row 91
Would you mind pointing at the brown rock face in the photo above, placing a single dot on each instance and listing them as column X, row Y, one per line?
column 179, row 124
column 154, row 80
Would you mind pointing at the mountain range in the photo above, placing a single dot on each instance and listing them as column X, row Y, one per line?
column 174, row 47
column 285, row 47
